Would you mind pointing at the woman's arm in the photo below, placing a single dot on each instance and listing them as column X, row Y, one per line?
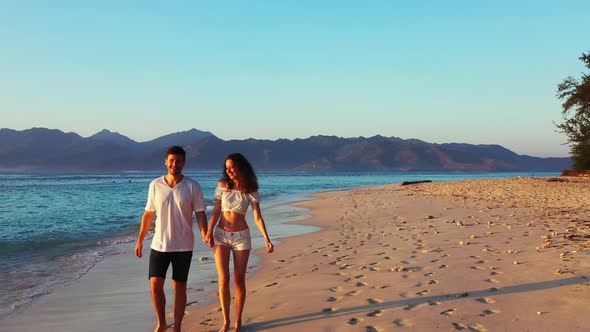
column 261, row 226
column 216, row 214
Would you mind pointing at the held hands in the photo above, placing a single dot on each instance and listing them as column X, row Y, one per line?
column 269, row 247
column 208, row 238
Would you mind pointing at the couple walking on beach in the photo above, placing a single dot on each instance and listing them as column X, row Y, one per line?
column 173, row 198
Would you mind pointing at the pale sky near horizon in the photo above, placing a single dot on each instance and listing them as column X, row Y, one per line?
column 479, row 72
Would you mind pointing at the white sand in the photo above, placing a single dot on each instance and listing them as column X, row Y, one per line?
column 466, row 255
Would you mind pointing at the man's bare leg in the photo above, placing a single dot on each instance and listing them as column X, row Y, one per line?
column 159, row 301
column 179, row 303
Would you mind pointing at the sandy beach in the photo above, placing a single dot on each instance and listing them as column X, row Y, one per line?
column 474, row 255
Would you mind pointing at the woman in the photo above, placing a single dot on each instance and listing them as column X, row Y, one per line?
column 235, row 191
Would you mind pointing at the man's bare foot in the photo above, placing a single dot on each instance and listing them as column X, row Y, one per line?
column 176, row 327
column 224, row 327
column 238, row 326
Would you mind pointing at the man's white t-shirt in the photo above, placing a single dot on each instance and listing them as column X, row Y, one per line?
column 174, row 209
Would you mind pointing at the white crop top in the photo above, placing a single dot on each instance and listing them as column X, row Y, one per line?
column 234, row 200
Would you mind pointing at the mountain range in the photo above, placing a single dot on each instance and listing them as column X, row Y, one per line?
column 51, row 150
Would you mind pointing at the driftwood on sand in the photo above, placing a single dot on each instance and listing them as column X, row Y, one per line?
column 405, row 183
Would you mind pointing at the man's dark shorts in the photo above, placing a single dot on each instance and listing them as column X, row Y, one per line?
column 181, row 262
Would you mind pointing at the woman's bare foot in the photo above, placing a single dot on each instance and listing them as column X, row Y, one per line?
column 238, row 326
column 224, row 327
column 161, row 328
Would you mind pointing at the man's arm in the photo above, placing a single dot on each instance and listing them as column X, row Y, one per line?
column 146, row 224
column 202, row 223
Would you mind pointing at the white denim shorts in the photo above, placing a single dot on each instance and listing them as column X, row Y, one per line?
column 235, row 240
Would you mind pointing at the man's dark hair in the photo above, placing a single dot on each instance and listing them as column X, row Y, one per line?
column 175, row 149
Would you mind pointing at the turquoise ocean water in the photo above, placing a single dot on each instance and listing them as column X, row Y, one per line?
column 56, row 227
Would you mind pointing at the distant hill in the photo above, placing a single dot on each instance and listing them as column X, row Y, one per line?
column 50, row 150
column 181, row 138
column 106, row 135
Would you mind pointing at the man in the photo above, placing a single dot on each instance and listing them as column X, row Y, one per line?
column 172, row 198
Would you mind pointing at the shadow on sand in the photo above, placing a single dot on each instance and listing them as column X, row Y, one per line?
column 411, row 303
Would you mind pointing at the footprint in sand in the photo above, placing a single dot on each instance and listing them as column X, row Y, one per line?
column 354, row 321
column 353, row 293
column 404, row 322
column 336, row 289
column 375, row 313
column 478, row 328
column 328, row 310
column 207, row 322
column 492, row 280
column 374, row 301
column 489, row 312
column 432, row 282
column 420, row 293
column 459, row 326
column 334, row 299
column 373, row 329
column 272, row 284
column 472, row 328
column 411, row 306
column 448, row 312
column 485, row 300
column 429, row 274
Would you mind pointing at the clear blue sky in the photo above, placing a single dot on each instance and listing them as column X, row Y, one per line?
column 480, row 72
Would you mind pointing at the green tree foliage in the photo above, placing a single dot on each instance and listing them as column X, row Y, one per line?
column 576, row 116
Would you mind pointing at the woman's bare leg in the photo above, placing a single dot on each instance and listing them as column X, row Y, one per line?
column 222, row 265
column 240, row 266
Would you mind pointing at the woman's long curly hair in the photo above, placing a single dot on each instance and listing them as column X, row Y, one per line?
column 247, row 179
